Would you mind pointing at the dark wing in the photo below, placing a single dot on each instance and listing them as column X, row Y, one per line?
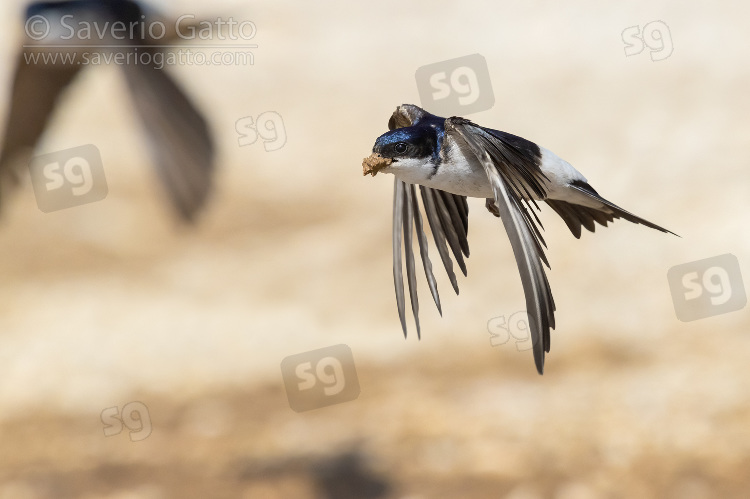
column 447, row 216
column 512, row 175
column 36, row 89
column 179, row 137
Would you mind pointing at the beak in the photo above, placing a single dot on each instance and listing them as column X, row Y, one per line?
column 374, row 163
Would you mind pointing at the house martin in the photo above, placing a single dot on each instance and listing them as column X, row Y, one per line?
column 452, row 159
column 64, row 37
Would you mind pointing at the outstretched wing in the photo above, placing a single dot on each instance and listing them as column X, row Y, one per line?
column 448, row 218
column 447, row 215
column 514, row 174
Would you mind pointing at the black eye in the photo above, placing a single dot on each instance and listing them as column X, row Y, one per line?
column 400, row 147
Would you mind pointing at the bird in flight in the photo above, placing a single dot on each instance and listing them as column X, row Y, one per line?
column 55, row 49
column 452, row 159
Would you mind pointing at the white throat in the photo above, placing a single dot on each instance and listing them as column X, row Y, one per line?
column 455, row 174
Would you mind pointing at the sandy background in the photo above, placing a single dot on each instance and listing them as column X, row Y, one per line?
column 115, row 301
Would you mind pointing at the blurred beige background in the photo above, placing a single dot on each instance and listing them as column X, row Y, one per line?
column 114, row 301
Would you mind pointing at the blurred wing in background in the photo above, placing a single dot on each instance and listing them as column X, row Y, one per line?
column 178, row 135
column 36, row 90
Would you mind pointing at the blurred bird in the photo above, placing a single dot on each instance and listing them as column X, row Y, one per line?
column 178, row 135
column 452, row 159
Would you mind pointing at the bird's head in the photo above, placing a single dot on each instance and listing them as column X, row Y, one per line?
column 402, row 149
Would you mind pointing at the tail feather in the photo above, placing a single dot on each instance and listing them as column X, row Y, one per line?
column 577, row 215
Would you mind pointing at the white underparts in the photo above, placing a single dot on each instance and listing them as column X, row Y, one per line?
column 464, row 177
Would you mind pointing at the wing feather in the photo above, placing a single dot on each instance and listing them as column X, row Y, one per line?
column 408, row 216
column 449, row 228
column 448, row 218
column 398, row 277
column 445, row 225
column 422, row 240
column 438, row 233
column 502, row 169
column 449, row 200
